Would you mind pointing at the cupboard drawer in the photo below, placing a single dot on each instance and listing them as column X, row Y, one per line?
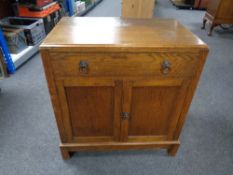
column 124, row 64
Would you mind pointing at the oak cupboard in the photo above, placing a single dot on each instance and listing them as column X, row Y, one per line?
column 218, row 12
column 120, row 84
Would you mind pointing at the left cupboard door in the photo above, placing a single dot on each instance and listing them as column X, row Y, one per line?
column 91, row 108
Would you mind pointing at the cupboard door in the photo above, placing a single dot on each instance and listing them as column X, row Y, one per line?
column 154, row 109
column 91, row 109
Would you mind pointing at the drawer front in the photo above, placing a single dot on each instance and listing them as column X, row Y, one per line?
column 153, row 64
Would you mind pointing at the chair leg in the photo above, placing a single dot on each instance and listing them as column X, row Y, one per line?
column 211, row 29
column 204, row 23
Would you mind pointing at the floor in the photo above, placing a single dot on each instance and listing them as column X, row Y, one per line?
column 29, row 137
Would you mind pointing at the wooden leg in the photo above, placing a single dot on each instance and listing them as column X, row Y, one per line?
column 65, row 154
column 204, row 23
column 173, row 150
column 211, row 29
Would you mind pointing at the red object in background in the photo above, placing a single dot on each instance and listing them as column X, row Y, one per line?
column 25, row 12
column 38, row 3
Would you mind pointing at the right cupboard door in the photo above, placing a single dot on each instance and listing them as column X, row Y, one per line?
column 154, row 108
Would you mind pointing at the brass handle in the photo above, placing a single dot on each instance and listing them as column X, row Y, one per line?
column 83, row 67
column 125, row 115
column 165, row 67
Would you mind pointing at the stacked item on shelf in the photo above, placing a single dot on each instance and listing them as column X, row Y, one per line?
column 16, row 39
column 81, row 7
column 22, row 37
column 47, row 10
column 33, row 30
column 36, row 19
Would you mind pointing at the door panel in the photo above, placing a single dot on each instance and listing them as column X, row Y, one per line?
column 151, row 109
column 91, row 109
column 155, row 108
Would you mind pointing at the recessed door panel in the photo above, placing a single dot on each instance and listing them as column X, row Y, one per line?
column 151, row 110
column 91, row 110
column 155, row 107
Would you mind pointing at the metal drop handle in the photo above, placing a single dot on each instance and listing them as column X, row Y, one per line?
column 165, row 67
column 83, row 67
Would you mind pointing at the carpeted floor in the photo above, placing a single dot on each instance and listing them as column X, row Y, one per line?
column 29, row 137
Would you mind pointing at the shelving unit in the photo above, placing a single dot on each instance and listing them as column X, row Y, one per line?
column 20, row 58
column 16, row 60
column 6, row 54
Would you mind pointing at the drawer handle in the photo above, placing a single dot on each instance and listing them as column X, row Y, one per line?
column 166, row 67
column 83, row 67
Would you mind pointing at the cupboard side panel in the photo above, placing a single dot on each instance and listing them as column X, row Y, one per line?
column 190, row 93
column 53, row 94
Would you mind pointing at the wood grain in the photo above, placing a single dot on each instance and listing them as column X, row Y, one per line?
column 130, row 64
column 118, row 35
column 91, row 110
column 126, row 107
column 151, row 109
column 190, row 93
column 53, row 95
column 117, row 145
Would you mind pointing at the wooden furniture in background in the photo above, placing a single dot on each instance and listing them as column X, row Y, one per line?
column 128, row 84
column 190, row 4
column 200, row 4
column 137, row 8
column 218, row 12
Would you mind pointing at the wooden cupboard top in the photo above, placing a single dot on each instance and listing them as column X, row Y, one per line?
column 118, row 34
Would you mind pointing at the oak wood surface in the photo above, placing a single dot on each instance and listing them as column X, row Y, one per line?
column 130, row 93
column 117, row 145
column 53, row 95
column 151, row 109
column 65, row 65
column 116, row 34
column 91, row 110
column 190, row 93
column 126, row 107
